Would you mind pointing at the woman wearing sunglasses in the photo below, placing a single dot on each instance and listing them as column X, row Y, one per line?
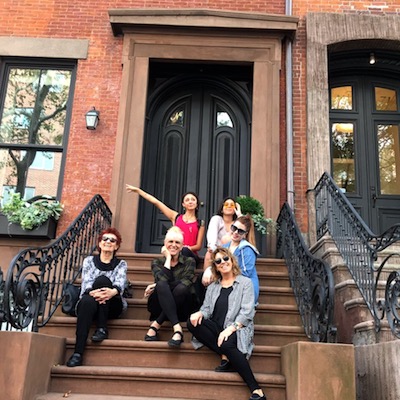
column 192, row 227
column 224, row 322
column 242, row 246
column 103, row 283
column 170, row 298
column 218, row 233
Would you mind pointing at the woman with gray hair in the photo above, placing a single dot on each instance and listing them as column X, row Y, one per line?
column 170, row 298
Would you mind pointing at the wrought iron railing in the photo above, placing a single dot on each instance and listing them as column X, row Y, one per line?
column 357, row 244
column 36, row 278
column 311, row 279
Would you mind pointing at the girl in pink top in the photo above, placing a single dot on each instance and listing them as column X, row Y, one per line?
column 193, row 229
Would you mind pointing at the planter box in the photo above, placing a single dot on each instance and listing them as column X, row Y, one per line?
column 45, row 231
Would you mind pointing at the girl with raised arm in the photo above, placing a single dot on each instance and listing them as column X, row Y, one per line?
column 193, row 229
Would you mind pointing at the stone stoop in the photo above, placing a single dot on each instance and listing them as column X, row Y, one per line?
column 353, row 319
column 126, row 365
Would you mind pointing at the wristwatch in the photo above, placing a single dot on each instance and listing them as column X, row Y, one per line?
column 236, row 325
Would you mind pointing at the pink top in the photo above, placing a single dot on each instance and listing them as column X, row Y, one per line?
column 190, row 230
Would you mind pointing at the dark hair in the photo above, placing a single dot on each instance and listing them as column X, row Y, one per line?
column 113, row 231
column 221, row 207
column 225, row 251
column 197, row 200
column 247, row 221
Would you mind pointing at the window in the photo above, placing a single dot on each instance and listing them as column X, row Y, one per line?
column 34, row 118
column 7, row 190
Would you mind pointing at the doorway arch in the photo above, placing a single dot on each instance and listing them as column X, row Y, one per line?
column 207, row 36
column 197, row 139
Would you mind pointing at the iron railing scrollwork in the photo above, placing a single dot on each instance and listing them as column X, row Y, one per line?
column 357, row 244
column 311, row 279
column 36, row 278
column 391, row 304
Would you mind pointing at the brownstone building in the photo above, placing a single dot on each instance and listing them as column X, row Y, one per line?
column 221, row 98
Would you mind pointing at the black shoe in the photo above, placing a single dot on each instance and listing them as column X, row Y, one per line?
column 153, row 338
column 100, row 335
column 176, row 343
column 75, row 360
column 225, row 366
column 255, row 396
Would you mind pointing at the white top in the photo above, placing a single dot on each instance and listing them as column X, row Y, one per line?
column 215, row 232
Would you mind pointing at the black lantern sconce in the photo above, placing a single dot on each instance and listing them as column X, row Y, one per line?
column 92, row 119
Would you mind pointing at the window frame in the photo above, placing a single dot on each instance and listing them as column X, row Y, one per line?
column 6, row 64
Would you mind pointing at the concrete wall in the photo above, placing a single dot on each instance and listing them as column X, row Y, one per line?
column 26, row 360
column 377, row 371
column 319, row 371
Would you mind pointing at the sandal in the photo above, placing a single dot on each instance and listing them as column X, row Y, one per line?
column 153, row 338
column 176, row 343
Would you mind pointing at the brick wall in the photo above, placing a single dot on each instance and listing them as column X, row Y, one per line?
column 90, row 153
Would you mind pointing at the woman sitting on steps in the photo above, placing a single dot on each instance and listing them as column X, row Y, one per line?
column 170, row 298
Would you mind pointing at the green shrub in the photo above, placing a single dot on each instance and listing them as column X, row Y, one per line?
column 250, row 205
column 31, row 215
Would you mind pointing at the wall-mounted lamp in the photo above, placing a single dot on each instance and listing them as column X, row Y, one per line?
column 92, row 119
column 372, row 59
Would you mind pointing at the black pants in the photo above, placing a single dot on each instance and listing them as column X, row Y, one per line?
column 89, row 310
column 208, row 332
column 170, row 301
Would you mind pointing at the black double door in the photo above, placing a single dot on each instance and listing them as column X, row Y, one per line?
column 365, row 129
column 197, row 139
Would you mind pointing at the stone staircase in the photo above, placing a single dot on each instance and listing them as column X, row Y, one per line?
column 125, row 366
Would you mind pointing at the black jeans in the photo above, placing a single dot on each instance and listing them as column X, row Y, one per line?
column 170, row 301
column 207, row 333
column 89, row 310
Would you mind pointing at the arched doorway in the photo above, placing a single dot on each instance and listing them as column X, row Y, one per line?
column 197, row 139
column 365, row 133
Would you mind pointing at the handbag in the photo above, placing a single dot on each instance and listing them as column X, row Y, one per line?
column 71, row 297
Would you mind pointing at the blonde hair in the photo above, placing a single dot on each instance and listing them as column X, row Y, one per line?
column 224, row 251
column 174, row 233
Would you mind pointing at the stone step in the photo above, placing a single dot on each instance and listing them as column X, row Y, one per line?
column 138, row 353
column 268, row 294
column 160, row 382
column 139, row 268
column 83, row 396
column 270, row 314
column 130, row 329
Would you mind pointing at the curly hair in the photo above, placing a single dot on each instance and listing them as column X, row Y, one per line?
column 224, row 252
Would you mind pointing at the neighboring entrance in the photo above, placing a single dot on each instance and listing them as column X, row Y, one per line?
column 197, row 139
column 365, row 138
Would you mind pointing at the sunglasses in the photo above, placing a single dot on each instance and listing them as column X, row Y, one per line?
column 108, row 239
column 234, row 228
column 219, row 260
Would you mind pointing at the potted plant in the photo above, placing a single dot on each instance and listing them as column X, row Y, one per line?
column 36, row 217
column 263, row 226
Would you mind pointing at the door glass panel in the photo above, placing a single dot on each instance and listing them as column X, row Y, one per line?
column 343, row 156
column 342, row 98
column 389, row 158
column 176, row 118
column 224, row 119
column 385, row 99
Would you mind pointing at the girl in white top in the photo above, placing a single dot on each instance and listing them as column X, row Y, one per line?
column 219, row 233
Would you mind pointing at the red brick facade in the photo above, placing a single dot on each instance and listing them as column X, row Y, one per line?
column 90, row 154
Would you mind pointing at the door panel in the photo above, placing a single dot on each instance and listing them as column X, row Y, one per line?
column 365, row 133
column 198, row 140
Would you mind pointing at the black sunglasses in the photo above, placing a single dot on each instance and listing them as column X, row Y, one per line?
column 219, row 260
column 109, row 239
column 234, row 228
